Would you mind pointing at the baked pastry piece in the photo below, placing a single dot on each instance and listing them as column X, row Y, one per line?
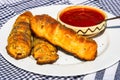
column 19, row 40
column 43, row 51
column 50, row 29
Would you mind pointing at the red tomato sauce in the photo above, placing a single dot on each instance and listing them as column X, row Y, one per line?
column 82, row 17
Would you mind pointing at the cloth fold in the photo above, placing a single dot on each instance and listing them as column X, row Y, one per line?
column 5, row 13
column 107, row 5
column 111, row 6
column 21, row 5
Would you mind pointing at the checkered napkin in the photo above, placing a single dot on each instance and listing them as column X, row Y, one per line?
column 5, row 13
column 9, row 8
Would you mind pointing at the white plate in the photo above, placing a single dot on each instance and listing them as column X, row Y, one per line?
column 108, row 50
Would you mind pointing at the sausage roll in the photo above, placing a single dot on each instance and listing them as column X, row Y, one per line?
column 79, row 46
column 43, row 51
column 19, row 40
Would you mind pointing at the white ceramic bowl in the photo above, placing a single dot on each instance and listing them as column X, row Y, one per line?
column 83, row 11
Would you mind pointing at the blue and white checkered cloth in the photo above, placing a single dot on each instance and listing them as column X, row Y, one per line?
column 9, row 8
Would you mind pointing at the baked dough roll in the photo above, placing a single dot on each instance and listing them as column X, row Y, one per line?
column 43, row 51
column 59, row 35
column 19, row 40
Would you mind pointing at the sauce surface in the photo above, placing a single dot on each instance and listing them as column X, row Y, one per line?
column 82, row 17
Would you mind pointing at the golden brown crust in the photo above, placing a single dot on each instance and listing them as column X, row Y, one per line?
column 43, row 51
column 50, row 29
column 19, row 40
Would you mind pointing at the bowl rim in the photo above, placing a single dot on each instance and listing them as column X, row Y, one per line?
column 81, row 6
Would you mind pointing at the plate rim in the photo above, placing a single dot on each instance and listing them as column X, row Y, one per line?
column 52, row 67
